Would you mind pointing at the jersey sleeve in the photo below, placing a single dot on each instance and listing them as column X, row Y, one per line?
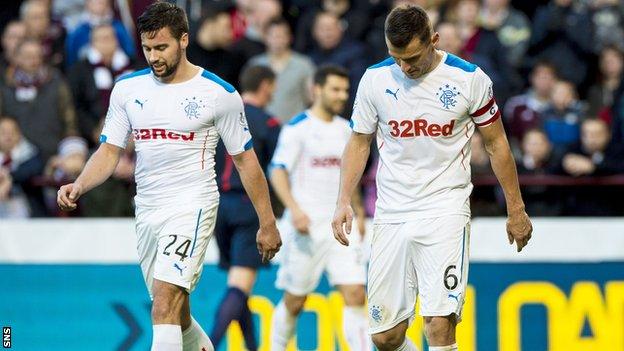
column 288, row 149
column 117, row 128
column 483, row 109
column 231, row 124
column 364, row 118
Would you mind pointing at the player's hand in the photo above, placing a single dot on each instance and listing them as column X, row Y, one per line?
column 269, row 241
column 67, row 196
column 341, row 224
column 301, row 221
column 519, row 229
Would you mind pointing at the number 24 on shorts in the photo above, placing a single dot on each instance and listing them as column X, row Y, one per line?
column 181, row 250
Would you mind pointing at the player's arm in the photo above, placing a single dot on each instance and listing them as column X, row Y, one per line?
column 357, row 203
column 281, row 185
column 257, row 189
column 99, row 167
column 354, row 160
column 519, row 226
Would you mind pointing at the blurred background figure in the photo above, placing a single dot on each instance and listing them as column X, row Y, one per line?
column 294, row 72
column 607, row 17
column 13, row 34
column 237, row 222
column 562, row 119
column 91, row 79
column 603, row 94
column 524, row 112
column 594, row 155
column 39, row 99
column 20, row 164
column 511, row 26
column 96, row 13
column 39, row 27
column 260, row 14
column 210, row 45
column 539, row 158
column 332, row 47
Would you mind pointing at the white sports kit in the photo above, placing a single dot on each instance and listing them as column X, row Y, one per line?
column 421, row 232
column 310, row 150
column 175, row 128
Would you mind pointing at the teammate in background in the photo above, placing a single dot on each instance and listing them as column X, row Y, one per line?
column 423, row 104
column 305, row 174
column 176, row 111
column 237, row 222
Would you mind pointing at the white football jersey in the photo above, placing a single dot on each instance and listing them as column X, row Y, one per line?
column 175, row 128
column 310, row 149
column 423, row 131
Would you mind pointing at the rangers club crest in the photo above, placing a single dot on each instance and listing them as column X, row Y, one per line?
column 376, row 313
column 446, row 94
column 192, row 107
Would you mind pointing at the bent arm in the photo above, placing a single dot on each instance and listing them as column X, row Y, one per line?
column 99, row 167
column 281, row 185
column 255, row 185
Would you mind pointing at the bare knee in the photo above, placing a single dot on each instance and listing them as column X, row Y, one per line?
column 392, row 339
column 440, row 331
column 294, row 304
column 170, row 301
column 354, row 295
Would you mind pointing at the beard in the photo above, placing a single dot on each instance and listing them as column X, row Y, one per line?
column 334, row 107
column 170, row 68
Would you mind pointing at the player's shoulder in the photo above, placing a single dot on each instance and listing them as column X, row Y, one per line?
column 214, row 81
column 135, row 78
column 298, row 121
column 380, row 68
column 459, row 67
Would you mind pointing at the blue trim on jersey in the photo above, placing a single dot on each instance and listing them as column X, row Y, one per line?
column 248, row 145
column 387, row 62
column 196, row 229
column 215, row 78
column 351, row 123
column 298, row 118
column 273, row 166
column 103, row 138
column 460, row 63
column 134, row 74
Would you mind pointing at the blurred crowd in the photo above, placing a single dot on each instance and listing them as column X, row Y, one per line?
column 557, row 68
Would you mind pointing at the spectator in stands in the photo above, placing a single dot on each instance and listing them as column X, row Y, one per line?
column 97, row 12
column 13, row 34
column 524, row 112
column 66, row 165
column 512, row 28
column 210, row 46
column 36, row 16
column 91, row 79
column 607, row 17
column 603, row 94
column 237, row 221
column 261, row 13
column 449, row 38
column 539, row 158
column 39, row 99
column 354, row 19
column 594, row 155
column 20, row 163
column 294, row 72
column 482, row 47
column 562, row 33
column 332, row 47
column 562, row 119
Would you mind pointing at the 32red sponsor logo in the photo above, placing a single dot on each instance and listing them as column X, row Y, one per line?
column 157, row 133
column 419, row 127
column 326, row 162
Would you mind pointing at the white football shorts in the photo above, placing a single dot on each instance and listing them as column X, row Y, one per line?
column 172, row 243
column 304, row 258
column 426, row 258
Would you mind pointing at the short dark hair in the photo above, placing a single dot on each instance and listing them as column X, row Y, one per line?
column 160, row 15
column 406, row 22
column 544, row 63
column 320, row 77
column 252, row 77
column 279, row 21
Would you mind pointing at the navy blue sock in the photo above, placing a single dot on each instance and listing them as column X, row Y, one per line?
column 233, row 307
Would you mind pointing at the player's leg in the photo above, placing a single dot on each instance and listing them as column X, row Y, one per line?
column 167, row 319
column 392, row 286
column 194, row 338
column 285, row 320
column 442, row 265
